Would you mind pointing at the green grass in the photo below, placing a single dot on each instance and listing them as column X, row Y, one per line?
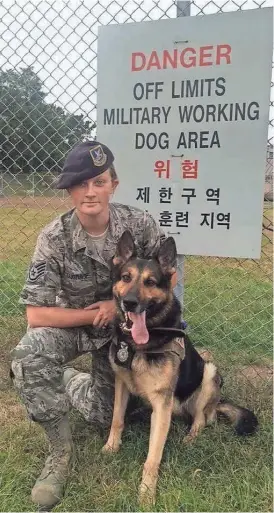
column 234, row 313
column 11, row 280
column 228, row 309
column 217, row 473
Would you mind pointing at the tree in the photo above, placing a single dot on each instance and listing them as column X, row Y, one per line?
column 34, row 135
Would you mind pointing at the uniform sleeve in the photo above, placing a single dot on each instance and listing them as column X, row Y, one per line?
column 153, row 237
column 43, row 280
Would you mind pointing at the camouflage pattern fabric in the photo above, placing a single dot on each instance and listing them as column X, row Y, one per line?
column 66, row 272
column 37, row 369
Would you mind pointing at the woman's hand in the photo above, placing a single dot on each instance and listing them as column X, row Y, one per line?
column 106, row 312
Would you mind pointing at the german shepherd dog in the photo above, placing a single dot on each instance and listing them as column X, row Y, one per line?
column 154, row 359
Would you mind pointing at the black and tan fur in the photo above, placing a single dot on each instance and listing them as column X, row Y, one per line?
column 167, row 372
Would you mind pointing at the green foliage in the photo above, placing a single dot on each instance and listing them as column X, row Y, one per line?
column 34, row 135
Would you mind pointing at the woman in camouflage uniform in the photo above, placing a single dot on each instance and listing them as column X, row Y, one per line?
column 69, row 306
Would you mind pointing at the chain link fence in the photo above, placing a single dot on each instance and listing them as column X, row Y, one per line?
column 48, row 66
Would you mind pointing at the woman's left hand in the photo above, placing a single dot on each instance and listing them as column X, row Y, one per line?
column 106, row 312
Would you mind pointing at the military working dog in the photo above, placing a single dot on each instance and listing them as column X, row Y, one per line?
column 154, row 359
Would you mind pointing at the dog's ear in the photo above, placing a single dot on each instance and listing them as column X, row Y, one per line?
column 125, row 249
column 167, row 255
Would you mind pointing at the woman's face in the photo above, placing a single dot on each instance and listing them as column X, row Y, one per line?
column 92, row 196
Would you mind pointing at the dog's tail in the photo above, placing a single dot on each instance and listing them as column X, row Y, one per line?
column 243, row 420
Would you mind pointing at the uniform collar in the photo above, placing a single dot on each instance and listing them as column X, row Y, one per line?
column 80, row 237
column 78, row 234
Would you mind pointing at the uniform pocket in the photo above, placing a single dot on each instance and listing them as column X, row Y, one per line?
column 17, row 374
column 78, row 286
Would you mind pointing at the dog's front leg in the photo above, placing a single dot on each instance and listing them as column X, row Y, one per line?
column 117, row 425
column 160, row 423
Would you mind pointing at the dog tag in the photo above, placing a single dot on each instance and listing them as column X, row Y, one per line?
column 124, row 354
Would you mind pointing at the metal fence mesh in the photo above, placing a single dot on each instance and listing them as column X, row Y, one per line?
column 48, row 66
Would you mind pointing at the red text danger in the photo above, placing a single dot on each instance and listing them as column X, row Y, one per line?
column 211, row 55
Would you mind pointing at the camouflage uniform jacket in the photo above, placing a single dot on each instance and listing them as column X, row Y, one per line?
column 65, row 271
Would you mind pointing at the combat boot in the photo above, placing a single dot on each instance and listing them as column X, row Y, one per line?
column 49, row 487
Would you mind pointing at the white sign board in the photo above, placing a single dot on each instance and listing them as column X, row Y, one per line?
column 183, row 104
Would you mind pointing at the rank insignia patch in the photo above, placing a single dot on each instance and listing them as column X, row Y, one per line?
column 37, row 271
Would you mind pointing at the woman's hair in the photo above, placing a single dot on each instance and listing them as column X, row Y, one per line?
column 113, row 173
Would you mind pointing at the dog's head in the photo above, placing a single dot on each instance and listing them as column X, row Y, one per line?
column 142, row 287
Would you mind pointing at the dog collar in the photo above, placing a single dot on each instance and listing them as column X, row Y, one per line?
column 123, row 327
column 124, row 352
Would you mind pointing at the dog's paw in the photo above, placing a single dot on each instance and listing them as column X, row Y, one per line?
column 189, row 439
column 147, row 494
column 110, row 448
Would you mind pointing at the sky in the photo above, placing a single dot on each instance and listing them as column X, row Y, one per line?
column 59, row 39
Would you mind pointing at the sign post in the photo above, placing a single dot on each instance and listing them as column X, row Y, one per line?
column 183, row 9
column 183, row 103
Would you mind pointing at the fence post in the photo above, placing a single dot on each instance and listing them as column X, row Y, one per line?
column 183, row 9
column 1, row 185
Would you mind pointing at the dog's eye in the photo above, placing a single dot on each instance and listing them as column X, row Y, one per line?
column 150, row 282
column 126, row 278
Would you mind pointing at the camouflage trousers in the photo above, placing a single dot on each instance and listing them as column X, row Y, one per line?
column 37, row 370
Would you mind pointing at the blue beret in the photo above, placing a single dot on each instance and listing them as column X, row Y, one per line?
column 86, row 160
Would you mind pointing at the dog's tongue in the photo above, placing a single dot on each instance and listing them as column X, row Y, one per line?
column 139, row 330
